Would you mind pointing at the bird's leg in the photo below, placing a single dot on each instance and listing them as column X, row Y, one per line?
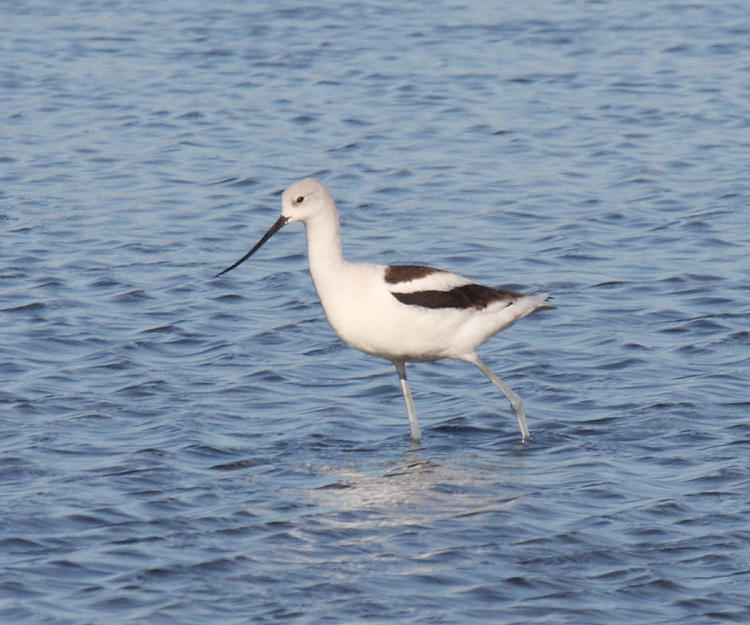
column 416, row 435
column 513, row 397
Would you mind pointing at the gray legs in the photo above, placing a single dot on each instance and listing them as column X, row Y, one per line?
column 416, row 435
column 513, row 397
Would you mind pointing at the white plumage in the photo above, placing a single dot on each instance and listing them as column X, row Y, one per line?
column 403, row 313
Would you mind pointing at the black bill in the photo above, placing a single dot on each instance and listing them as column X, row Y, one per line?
column 280, row 222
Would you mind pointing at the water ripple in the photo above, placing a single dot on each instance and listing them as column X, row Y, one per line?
column 182, row 449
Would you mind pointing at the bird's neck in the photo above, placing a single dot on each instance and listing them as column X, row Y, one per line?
column 324, row 250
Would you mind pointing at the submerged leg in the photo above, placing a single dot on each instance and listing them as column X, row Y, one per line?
column 513, row 397
column 416, row 435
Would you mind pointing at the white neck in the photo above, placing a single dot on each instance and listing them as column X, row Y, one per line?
column 324, row 251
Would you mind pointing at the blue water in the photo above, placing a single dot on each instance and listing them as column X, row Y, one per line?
column 177, row 449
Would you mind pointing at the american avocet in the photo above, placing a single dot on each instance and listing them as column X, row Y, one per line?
column 404, row 313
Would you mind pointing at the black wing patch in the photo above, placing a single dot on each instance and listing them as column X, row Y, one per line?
column 406, row 273
column 467, row 296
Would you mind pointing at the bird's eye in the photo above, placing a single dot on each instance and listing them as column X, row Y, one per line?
column 299, row 199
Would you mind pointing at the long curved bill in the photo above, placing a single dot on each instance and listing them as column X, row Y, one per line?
column 280, row 222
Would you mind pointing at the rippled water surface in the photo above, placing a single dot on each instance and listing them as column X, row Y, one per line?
column 179, row 449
